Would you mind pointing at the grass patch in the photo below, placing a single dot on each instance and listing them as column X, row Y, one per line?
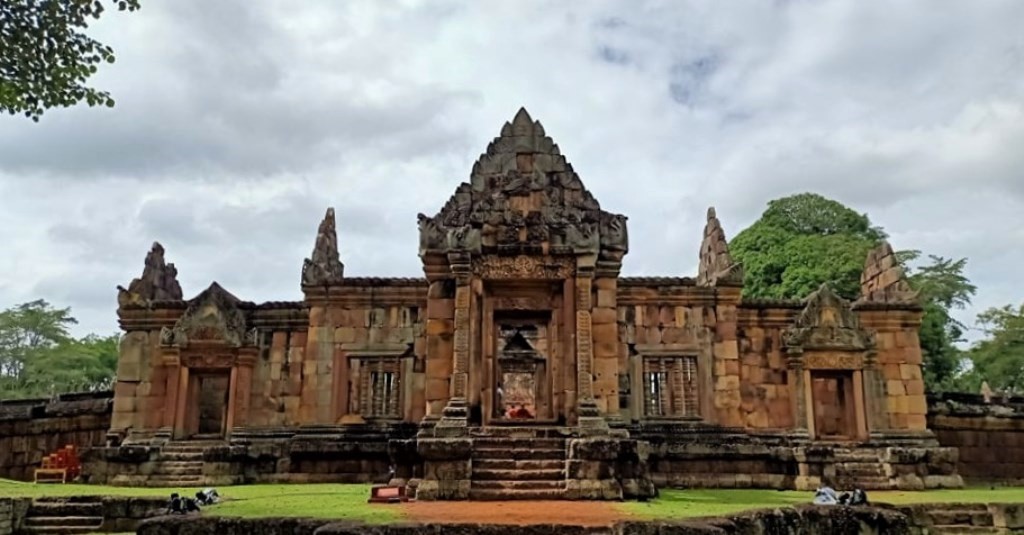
column 673, row 503
column 328, row 500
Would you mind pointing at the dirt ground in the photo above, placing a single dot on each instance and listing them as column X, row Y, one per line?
column 517, row 512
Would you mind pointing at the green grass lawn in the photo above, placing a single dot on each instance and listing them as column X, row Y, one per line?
column 711, row 502
column 312, row 500
column 349, row 501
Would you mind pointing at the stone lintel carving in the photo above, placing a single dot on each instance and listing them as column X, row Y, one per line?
column 522, row 303
column 827, row 322
column 523, row 197
column 716, row 264
column 325, row 267
column 883, row 280
column 833, row 361
column 159, row 282
column 208, row 360
column 522, row 267
column 212, row 317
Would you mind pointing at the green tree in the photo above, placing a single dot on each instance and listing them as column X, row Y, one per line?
column 942, row 287
column 46, row 57
column 803, row 241
column 39, row 357
column 999, row 359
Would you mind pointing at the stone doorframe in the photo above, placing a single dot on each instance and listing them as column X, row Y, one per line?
column 833, row 361
column 181, row 363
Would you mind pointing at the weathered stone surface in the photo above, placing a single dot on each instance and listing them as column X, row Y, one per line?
column 324, row 268
column 882, row 280
column 159, row 282
column 716, row 264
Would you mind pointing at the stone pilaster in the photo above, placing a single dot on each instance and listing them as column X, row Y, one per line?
column 590, row 418
column 454, row 419
column 798, row 395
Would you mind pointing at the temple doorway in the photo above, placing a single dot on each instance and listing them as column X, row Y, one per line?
column 833, row 404
column 209, row 404
column 521, row 393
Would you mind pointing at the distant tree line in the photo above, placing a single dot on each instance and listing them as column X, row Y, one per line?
column 40, row 358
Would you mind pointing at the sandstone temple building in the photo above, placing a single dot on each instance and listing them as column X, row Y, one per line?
column 522, row 365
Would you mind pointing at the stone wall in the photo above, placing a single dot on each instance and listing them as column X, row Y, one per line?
column 803, row 520
column 31, row 429
column 989, row 435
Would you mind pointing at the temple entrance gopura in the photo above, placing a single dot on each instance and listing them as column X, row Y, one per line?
column 522, row 365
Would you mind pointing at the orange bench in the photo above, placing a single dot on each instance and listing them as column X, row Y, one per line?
column 59, row 467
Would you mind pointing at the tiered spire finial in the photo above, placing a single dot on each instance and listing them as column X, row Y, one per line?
column 159, row 281
column 716, row 264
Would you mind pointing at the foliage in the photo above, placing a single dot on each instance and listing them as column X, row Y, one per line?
column 803, row 241
column 999, row 359
column 39, row 357
column 941, row 286
column 45, row 56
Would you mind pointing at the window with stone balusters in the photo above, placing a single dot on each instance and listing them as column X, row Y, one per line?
column 671, row 388
column 379, row 387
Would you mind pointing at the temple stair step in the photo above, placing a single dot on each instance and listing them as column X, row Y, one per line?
column 518, row 454
column 486, row 474
column 971, row 517
column 519, row 443
column 966, row 530
column 179, row 468
column 515, row 494
column 519, row 464
column 166, row 480
column 65, row 509
column 505, row 485
column 91, row 522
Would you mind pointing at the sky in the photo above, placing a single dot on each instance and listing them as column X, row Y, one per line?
column 239, row 122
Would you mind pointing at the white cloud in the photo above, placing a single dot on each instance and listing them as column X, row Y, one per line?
column 239, row 122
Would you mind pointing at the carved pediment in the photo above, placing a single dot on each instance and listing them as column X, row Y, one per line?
column 524, row 197
column 716, row 264
column 324, row 267
column 211, row 317
column 159, row 282
column 827, row 322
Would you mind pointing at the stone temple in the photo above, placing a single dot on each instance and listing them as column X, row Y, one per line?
column 522, row 365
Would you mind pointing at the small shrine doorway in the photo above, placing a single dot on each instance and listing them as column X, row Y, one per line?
column 208, row 400
column 833, row 404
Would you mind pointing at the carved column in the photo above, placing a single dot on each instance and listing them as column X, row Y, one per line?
column 874, row 395
column 172, row 361
column 454, row 419
column 589, row 415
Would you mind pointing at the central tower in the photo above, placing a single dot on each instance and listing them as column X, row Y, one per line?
column 522, row 265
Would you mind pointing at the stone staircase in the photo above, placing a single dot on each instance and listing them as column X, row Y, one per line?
column 180, row 464
column 518, row 465
column 63, row 517
column 860, row 468
column 963, row 519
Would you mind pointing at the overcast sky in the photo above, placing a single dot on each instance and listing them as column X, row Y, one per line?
column 238, row 122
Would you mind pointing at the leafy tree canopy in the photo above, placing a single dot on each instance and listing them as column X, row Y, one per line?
column 39, row 357
column 46, row 57
column 803, row 241
column 999, row 359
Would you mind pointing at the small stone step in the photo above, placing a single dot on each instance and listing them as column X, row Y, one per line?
column 487, row 474
column 176, row 456
column 59, row 530
column 516, row 494
column 179, row 468
column 519, row 485
column 966, row 530
column 93, row 522
column 518, row 454
column 519, row 443
column 513, row 464
column 62, row 508
column 164, row 480
column 960, row 517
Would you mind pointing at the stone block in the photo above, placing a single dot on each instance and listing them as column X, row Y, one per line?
column 895, row 387
column 727, row 382
column 910, row 371
column 917, row 405
column 439, row 368
column 898, row 404
column 727, row 350
column 441, row 309
column 437, row 389
column 917, row 421
column 604, row 315
column 606, row 333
